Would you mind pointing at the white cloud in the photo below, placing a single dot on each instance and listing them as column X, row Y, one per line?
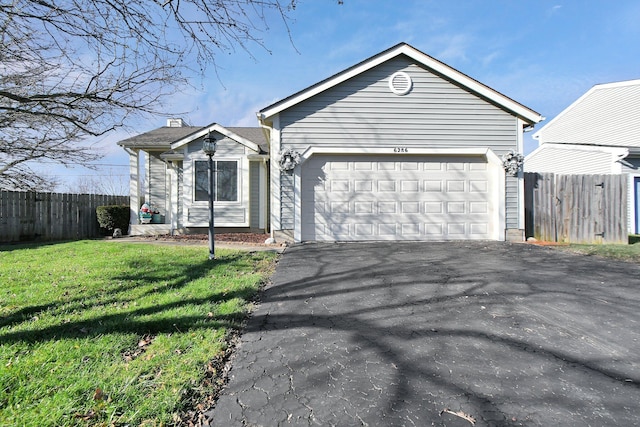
column 450, row 47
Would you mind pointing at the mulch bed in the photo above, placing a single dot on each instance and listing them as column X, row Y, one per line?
column 248, row 238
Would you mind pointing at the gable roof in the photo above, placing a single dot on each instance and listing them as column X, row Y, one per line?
column 608, row 114
column 228, row 132
column 168, row 137
column 159, row 139
column 425, row 60
column 254, row 134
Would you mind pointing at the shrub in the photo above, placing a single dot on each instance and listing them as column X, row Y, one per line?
column 113, row 216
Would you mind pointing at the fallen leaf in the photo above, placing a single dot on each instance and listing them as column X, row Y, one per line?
column 460, row 414
column 98, row 394
column 145, row 341
column 89, row 415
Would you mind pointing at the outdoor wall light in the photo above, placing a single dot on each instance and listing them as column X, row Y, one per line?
column 209, row 148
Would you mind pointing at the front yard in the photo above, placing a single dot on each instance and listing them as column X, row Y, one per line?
column 99, row 333
column 629, row 253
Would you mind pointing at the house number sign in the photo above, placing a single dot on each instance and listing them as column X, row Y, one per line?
column 400, row 150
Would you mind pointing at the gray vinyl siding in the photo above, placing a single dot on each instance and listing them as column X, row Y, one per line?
column 254, row 191
column 224, row 147
column 286, row 201
column 362, row 112
column 227, row 214
column 511, row 202
column 157, row 182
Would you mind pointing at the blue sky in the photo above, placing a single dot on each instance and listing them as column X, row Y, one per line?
column 544, row 54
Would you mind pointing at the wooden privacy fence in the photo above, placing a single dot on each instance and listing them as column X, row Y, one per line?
column 26, row 216
column 576, row 208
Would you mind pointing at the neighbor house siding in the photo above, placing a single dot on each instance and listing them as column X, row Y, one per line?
column 363, row 113
column 568, row 160
column 606, row 115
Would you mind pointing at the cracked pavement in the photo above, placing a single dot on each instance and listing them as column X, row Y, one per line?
column 439, row 334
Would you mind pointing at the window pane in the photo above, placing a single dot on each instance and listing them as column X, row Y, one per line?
column 227, row 181
column 202, row 181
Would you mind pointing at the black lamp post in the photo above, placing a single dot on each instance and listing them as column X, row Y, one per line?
column 209, row 148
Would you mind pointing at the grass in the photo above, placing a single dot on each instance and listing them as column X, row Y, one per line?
column 630, row 252
column 99, row 333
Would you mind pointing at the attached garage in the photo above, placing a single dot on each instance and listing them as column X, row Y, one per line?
column 378, row 197
column 397, row 147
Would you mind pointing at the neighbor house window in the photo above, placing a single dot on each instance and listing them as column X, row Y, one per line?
column 225, row 180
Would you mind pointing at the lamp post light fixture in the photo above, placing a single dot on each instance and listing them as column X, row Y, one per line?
column 209, row 148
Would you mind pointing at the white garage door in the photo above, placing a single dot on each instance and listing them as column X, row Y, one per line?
column 354, row 198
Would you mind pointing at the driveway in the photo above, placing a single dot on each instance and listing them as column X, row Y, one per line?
column 439, row 334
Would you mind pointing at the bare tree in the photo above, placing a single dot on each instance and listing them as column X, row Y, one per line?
column 74, row 69
column 109, row 182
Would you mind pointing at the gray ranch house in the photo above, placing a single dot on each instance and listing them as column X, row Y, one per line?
column 175, row 174
column 598, row 134
column 398, row 147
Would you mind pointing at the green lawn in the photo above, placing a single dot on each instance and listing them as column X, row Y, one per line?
column 619, row 252
column 103, row 333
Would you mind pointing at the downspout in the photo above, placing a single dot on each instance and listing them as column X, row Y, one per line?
column 267, row 216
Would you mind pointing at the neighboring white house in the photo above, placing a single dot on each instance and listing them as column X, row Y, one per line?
column 398, row 147
column 598, row 134
column 176, row 178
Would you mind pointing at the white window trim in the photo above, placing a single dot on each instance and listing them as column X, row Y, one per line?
column 240, row 189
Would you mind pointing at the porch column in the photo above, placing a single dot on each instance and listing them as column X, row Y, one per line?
column 174, row 192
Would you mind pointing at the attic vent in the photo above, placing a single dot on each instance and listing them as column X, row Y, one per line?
column 400, row 83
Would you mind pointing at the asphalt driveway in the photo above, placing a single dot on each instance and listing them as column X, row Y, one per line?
column 444, row 334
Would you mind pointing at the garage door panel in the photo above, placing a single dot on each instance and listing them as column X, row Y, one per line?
column 478, row 229
column 364, row 230
column 387, row 230
column 383, row 198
